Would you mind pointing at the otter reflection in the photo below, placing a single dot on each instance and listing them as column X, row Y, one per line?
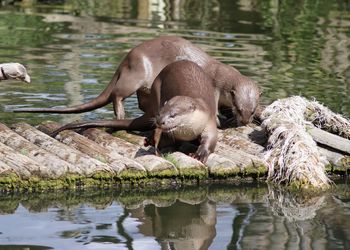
column 192, row 227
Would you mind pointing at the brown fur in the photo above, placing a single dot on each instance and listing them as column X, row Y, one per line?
column 144, row 62
column 180, row 93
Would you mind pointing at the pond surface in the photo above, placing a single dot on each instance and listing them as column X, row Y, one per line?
column 250, row 216
column 72, row 48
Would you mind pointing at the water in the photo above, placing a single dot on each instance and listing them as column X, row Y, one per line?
column 250, row 216
column 72, row 49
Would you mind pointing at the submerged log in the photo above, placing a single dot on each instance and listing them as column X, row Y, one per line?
column 83, row 163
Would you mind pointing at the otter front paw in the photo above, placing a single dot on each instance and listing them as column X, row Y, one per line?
column 201, row 154
column 149, row 141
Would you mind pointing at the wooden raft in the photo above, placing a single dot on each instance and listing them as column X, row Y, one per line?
column 30, row 159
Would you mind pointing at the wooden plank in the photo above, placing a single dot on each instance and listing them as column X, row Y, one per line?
column 229, row 160
column 154, row 165
column 51, row 165
column 338, row 161
column 330, row 140
column 4, row 168
column 117, row 162
column 22, row 165
column 235, row 140
column 87, row 165
column 235, row 151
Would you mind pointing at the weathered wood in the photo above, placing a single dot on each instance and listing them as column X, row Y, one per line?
column 22, row 165
column 338, row 161
column 4, row 168
column 235, row 140
column 246, row 162
column 330, row 140
column 235, row 151
column 85, row 164
column 51, row 165
column 187, row 165
column 120, row 164
column 154, row 165
column 221, row 166
column 253, row 133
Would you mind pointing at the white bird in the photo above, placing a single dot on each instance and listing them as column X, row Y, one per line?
column 13, row 71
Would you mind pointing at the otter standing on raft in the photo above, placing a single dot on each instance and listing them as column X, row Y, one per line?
column 183, row 104
column 143, row 63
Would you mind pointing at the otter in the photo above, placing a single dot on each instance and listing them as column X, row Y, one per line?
column 181, row 103
column 143, row 63
column 15, row 71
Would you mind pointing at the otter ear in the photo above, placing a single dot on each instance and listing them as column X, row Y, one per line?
column 260, row 92
column 233, row 92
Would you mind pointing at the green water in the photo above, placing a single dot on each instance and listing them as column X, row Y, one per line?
column 245, row 216
column 72, row 48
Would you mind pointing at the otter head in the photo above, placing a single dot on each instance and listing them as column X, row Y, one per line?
column 14, row 71
column 182, row 117
column 245, row 98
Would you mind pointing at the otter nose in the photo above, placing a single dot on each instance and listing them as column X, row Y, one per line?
column 159, row 121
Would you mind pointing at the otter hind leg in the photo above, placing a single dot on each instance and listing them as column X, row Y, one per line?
column 118, row 107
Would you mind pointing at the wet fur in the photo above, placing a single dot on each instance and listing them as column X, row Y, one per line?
column 181, row 93
column 143, row 63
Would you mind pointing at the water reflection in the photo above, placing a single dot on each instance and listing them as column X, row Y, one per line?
column 206, row 217
column 72, row 48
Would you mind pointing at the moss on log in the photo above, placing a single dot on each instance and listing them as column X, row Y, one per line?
column 32, row 160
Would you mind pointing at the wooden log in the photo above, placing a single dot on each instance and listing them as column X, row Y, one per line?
column 4, row 168
column 339, row 162
column 333, row 141
column 187, row 166
column 155, row 166
column 22, row 165
column 248, row 163
column 235, row 140
column 253, row 133
column 122, row 166
column 84, row 164
column 245, row 155
column 51, row 165
column 220, row 166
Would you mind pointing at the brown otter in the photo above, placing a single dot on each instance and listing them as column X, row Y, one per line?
column 181, row 101
column 14, row 71
column 143, row 63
